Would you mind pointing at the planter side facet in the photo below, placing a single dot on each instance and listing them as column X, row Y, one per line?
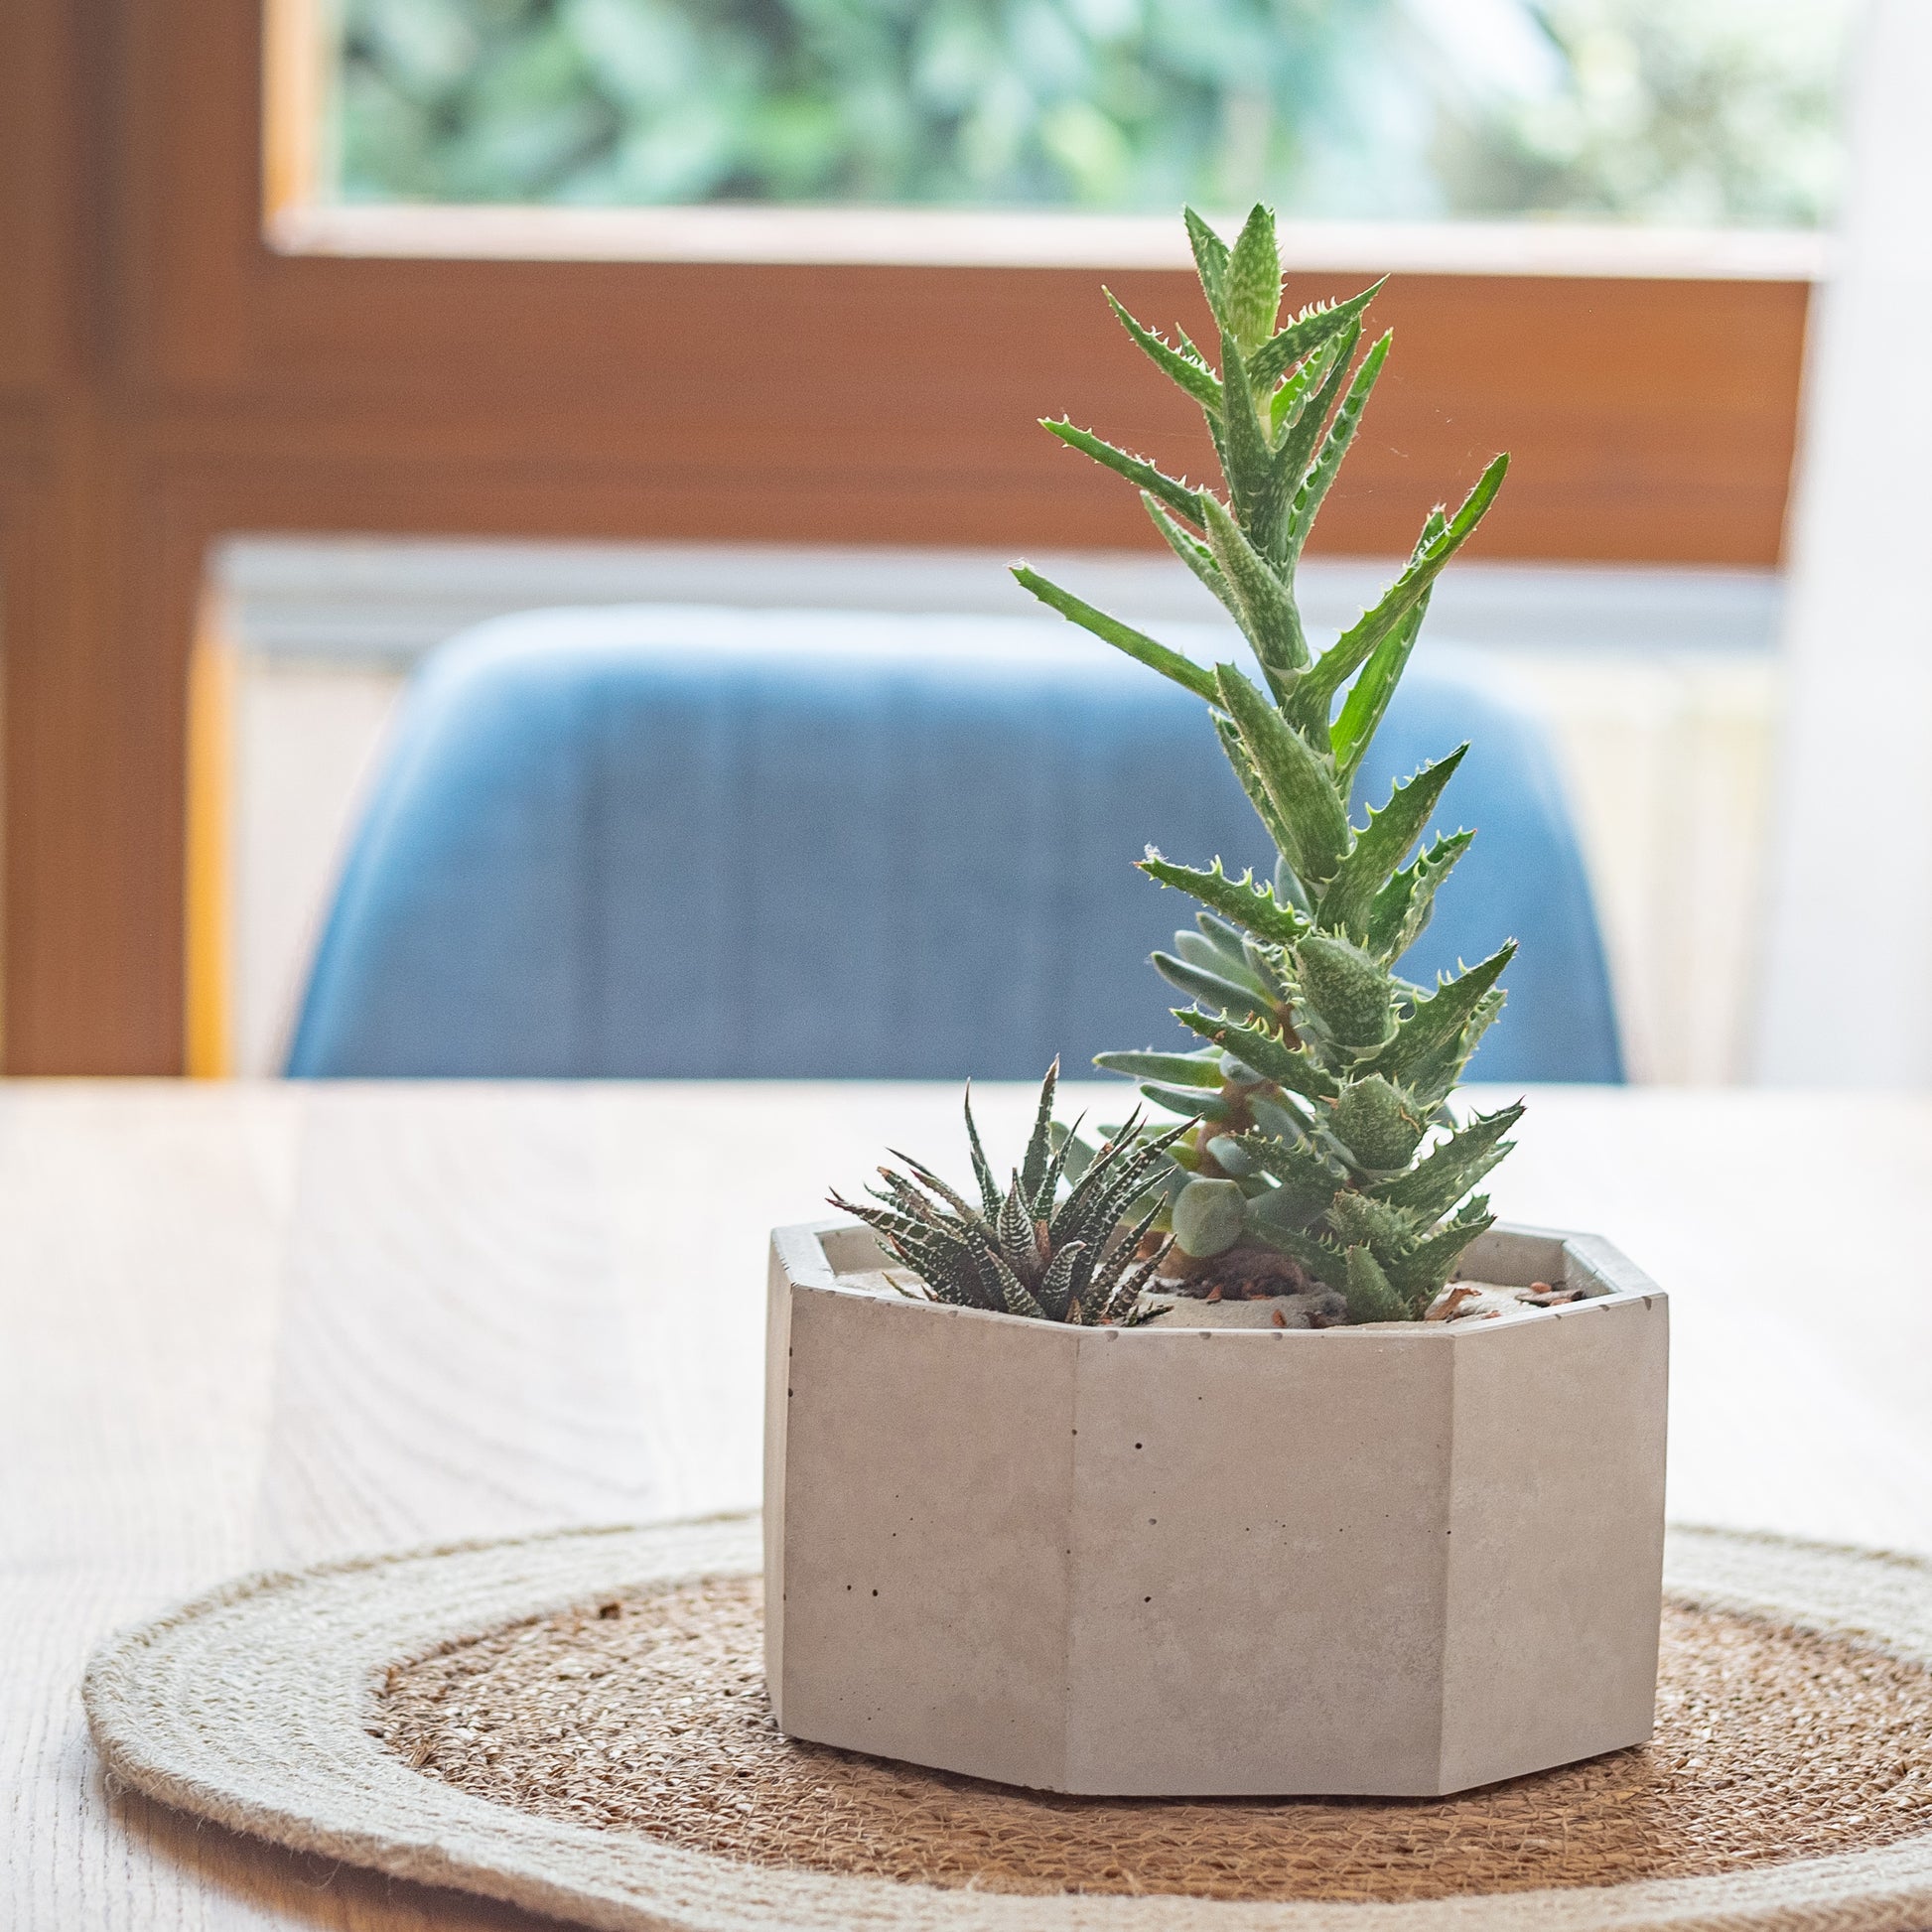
column 1180, row 1561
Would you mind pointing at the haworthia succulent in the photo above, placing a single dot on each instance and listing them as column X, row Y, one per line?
column 1034, row 1250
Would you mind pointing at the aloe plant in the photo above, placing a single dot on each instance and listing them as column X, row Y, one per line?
column 1081, row 1255
column 1316, row 1110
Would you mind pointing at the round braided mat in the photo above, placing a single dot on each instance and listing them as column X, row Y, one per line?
column 577, row 1724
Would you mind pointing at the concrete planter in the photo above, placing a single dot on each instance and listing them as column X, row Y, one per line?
column 1185, row 1561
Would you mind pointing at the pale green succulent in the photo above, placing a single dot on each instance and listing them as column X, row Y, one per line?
column 1322, row 1128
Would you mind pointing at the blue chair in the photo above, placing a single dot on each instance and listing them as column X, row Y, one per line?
column 704, row 844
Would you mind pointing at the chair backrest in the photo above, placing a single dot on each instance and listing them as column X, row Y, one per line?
column 703, row 844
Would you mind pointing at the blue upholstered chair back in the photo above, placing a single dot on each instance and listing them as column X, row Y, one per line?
column 701, row 844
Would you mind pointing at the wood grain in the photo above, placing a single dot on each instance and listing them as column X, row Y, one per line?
column 166, row 378
column 263, row 1325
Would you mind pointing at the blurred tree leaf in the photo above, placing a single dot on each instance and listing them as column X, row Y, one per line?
column 1708, row 110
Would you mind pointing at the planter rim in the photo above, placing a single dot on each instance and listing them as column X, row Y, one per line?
column 800, row 1247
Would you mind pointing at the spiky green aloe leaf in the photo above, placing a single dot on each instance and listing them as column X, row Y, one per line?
column 1434, row 1031
column 1315, row 325
column 1419, row 1273
column 1369, row 697
column 1123, row 636
column 1295, row 778
column 1343, row 658
column 1370, row 1295
column 1243, row 767
column 1289, row 465
column 1177, row 493
column 1379, row 1123
column 1314, row 479
column 1193, row 553
column 1346, row 991
column 1382, row 845
column 1306, row 1180
column 1195, row 376
column 1354, row 1216
column 1262, row 607
column 1211, row 260
column 1249, row 905
column 1317, row 1256
column 1268, row 966
column 1401, row 907
column 1265, row 1050
column 1244, row 442
column 1448, row 1171
column 1285, row 406
column 1254, row 281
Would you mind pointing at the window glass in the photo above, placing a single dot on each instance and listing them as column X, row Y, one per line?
column 1697, row 112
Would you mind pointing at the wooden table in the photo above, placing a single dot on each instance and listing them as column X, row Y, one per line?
column 253, row 1325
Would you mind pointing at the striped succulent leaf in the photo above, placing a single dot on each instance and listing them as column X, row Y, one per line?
column 1054, row 1244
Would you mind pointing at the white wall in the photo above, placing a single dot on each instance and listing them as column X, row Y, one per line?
column 1849, row 946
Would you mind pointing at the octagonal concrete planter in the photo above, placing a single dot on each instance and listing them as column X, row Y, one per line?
column 1182, row 1561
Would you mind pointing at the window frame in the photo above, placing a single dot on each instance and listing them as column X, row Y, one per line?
column 194, row 351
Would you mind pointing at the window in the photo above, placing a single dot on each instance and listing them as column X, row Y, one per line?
column 1683, row 111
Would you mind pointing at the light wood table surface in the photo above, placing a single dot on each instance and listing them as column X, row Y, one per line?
column 251, row 1325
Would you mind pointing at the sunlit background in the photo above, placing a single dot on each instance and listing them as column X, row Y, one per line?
column 1684, row 111
column 1659, row 686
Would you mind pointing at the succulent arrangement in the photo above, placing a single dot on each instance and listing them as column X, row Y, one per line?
column 1082, row 1257
column 1317, row 1151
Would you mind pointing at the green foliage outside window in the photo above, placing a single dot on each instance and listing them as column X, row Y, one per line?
column 1691, row 110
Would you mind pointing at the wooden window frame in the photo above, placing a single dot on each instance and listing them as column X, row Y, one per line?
column 187, row 352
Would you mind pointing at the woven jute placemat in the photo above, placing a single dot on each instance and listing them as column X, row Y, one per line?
column 577, row 1724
